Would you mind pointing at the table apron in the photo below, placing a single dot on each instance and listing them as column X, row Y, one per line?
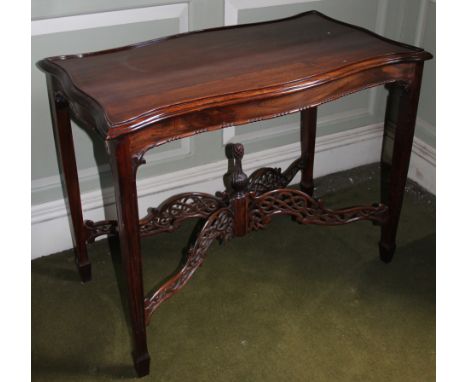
column 218, row 117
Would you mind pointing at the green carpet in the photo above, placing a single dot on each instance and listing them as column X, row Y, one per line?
column 290, row 303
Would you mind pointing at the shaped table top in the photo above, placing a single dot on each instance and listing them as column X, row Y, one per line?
column 141, row 84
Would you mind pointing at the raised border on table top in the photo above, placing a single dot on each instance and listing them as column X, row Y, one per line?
column 151, row 116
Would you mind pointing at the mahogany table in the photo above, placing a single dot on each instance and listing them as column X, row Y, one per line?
column 141, row 96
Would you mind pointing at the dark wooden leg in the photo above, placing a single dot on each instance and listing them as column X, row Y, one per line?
column 124, row 171
column 66, row 154
column 387, row 141
column 308, row 133
column 406, row 97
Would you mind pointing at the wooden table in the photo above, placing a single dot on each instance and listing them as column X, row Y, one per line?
column 141, row 96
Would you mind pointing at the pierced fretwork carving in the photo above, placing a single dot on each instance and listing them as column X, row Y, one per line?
column 171, row 213
column 218, row 226
column 247, row 205
column 267, row 179
column 95, row 229
column 166, row 218
column 307, row 210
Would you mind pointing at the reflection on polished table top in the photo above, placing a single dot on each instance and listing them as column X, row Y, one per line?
column 151, row 81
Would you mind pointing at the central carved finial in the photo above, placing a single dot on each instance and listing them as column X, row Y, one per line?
column 238, row 179
column 238, row 151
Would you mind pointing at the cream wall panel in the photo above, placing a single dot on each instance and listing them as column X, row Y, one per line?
column 83, row 33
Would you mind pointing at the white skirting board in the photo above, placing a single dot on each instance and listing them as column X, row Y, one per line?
column 50, row 230
column 422, row 168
